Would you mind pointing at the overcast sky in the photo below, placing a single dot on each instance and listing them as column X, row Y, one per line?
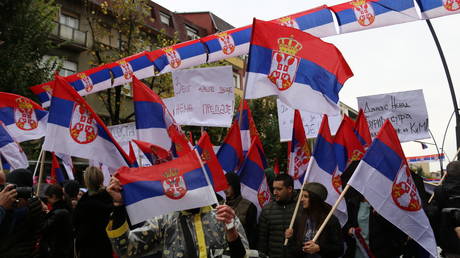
column 389, row 59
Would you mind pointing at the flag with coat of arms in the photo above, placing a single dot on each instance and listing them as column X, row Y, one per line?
column 300, row 153
column 176, row 185
column 305, row 72
column 75, row 129
column 384, row 179
column 11, row 153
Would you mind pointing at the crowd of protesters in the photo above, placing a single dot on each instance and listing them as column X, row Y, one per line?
column 67, row 220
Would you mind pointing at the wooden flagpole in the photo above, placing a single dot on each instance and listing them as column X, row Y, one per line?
column 245, row 74
column 443, row 177
column 40, row 176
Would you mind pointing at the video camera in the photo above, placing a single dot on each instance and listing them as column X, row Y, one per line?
column 23, row 191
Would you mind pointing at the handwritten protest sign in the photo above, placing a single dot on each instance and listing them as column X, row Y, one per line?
column 203, row 96
column 123, row 134
column 311, row 122
column 406, row 111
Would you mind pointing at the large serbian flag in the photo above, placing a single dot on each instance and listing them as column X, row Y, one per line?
column 179, row 56
column 317, row 21
column 10, row 151
column 75, row 129
column 305, row 72
column 366, row 14
column 436, row 8
column 25, row 119
column 323, row 169
column 384, row 179
column 172, row 186
column 91, row 81
column 300, row 152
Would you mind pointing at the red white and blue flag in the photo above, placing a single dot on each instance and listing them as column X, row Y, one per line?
column 358, row 15
column 43, row 92
column 347, row 148
column 11, row 152
column 300, row 153
column 178, row 56
column 90, row 81
column 305, row 72
column 25, row 119
column 152, row 116
column 154, row 153
column 254, row 185
column 212, row 165
column 67, row 163
column 124, row 69
column 230, row 153
column 172, row 186
column 56, row 175
column 436, row 8
column 362, row 130
column 317, row 21
column 323, row 169
column 384, row 179
column 248, row 127
column 228, row 44
column 180, row 143
column 75, row 129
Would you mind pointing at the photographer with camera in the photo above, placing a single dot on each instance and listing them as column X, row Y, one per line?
column 447, row 215
column 23, row 220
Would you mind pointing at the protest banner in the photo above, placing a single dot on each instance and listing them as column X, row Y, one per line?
column 123, row 134
column 311, row 122
column 406, row 111
column 203, row 97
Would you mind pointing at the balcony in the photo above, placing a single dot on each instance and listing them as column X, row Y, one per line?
column 76, row 38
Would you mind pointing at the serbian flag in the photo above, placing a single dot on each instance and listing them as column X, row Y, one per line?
column 10, row 151
column 67, row 163
column 154, row 153
column 179, row 56
column 346, row 145
column 248, row 127
column 90, row 81
column 152, row 116
column 362, row 130
column 212, row 165
column 254, row 186
column 132, row 157
column 124, row 69
column 300, row 153
column 305, row 72
column 317, row 21
column 56, row 175
column 25, row 119
column 230, row 154
column 226, row 44
column 436, row 8
column 43, row 92
column 323, row 169
column 366, row 14
column 384, row 179
column 75, row 129
column 181, row 145
column 161, row 189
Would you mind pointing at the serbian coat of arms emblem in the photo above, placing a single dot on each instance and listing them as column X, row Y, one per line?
column 364, row 12
column 87, row 82
column 284, row 63
column 126, row 69
column 83, row 126
column 173, row 57
column 24, row 115
column 451, row 5
column 404, row 191
column 174, row 185
column 226, row 43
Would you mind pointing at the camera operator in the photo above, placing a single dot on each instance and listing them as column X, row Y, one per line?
column 23, row 220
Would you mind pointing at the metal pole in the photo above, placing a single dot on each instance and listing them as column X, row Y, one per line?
column 449, row 81
column 437, row 149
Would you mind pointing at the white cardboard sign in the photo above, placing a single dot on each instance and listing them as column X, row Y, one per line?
column 406, row 111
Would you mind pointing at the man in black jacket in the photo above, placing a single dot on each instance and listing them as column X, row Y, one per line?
column 275, row 218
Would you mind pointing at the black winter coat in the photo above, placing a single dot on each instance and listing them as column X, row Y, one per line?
column 273, row 221
column 91, row 216
column 57, row 238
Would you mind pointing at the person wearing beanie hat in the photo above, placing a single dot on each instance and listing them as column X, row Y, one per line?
column 245, row 210
column 308, row 220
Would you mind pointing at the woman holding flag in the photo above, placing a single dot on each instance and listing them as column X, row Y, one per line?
column 314, row 211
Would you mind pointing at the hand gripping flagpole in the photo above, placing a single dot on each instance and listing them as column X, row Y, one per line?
column 443, row 177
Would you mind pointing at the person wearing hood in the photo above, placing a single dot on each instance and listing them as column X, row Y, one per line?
column 308, row 220
column 245, row 210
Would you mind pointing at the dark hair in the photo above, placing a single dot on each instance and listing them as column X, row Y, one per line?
column 71, row 188
column 54, row 190
column 317, row 209
column 234, row 181
column 287, row 180
column 20, row 177
column 453, row 169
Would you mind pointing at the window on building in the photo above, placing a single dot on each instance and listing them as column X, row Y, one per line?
column 192, row 33
column 236, row 81
column 165, row 19
column 69, row 21
column 68, row 68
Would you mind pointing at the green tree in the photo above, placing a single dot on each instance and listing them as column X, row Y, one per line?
column 24, row 39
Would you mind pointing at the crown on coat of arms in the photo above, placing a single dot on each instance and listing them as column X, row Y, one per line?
column 47, row 88
column 168, row 49
column 285, row 19
column 289, row 46
column 24, row 103
column 172, row 172
column 358, row 2
column 82, row 75
column 222, row 34
column 122, row 62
